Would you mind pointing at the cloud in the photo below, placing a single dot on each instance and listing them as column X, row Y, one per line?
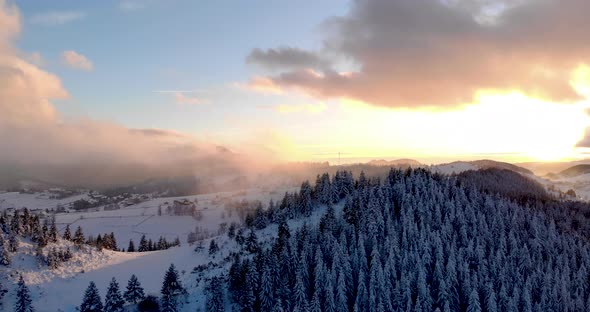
column 262, row 85
column 40, row 144
column 76, row 60
column 180, row 98
column 431, row 53
column 35, row 58
column 286, row 57
column 53, row 18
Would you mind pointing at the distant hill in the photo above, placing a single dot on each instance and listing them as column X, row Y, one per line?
column 395, row 163
column 462, row 166
column 575, row 171
column 508, row 183
column 486, row 163
column 545, row 168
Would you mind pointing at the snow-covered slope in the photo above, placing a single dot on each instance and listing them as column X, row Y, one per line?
column 33, row 201
column 454, row 167
column 461, row 166
column 62, row 289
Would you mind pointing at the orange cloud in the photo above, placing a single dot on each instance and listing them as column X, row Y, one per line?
column 76, row 60
column 440, row 53
column 262, row 85
column 183, row 99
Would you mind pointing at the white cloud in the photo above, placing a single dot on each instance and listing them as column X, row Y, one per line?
column 76, row 60
column 83, row 151
column 53, row 18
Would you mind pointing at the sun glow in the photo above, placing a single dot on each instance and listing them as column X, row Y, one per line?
column 510, row 126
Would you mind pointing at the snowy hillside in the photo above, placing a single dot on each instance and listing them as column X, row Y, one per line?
column 342, row 244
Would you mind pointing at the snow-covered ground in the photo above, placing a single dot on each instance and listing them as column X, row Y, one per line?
column 62, row 289
column 579, row 184
column 34, row 201
column 133, row 221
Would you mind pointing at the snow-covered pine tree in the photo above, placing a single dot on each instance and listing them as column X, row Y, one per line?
column 15, row 224
column 13, row 242
column 171, row 289
column 131, row 247
column 214, row 292
column 474, row 304
column 67, row 233
column 143, row 244
column 134, row 292
column 52, row 259
column 213, row 247
column 5, row 258
column 491, row 304
column 113, row 302
column 251, row 242
column 341, row 294
column 53, row 234
column 22, row 302
column 305, row 195
column 330, row 303
column 315, row 305
column 266, row 294
column 3, row 292
column 79, row 237
column 91, row 301
column 112, row 242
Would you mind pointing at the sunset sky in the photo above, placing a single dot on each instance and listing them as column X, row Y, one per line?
column 434, row 80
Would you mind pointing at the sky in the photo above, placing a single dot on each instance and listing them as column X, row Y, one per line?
column 117, row 82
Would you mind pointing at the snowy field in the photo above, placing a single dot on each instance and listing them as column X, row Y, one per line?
column 62, row 289
column 133, row 221
column 40, row 200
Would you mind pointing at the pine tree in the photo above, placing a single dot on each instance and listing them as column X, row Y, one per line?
column 23, row 302
column 113, row 301
column 91, row 301
column 213, row 247
column 15, row 224
column 53, row 235
column 3, row 292
column 134, row 292
column 52, row 258
column 79, row 236
column 266, row 293
column 315, row 303
column 131, row 247
column 214, row 293
column 341, row 298
column 330, row 304
column 143, row 244
column 67, row 234
column 112, row 242
column 305, row 197
column 491, row 305
column 13, row 243
column 171, row 288
column 4, row 253
column 300, row 293
column 474, row 305
column 252, row 242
